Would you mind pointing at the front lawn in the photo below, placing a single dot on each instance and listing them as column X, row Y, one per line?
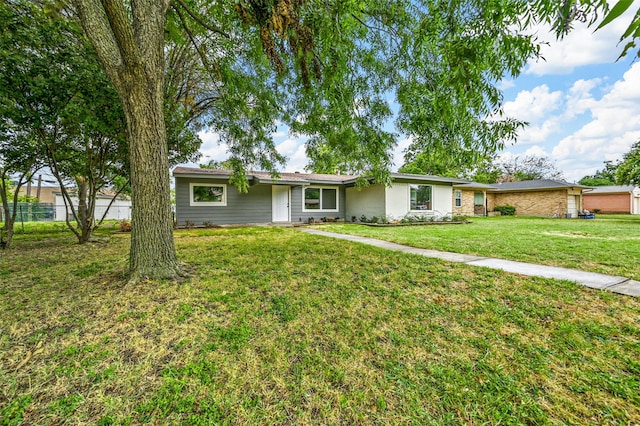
column 280, row 327
column 610, row 245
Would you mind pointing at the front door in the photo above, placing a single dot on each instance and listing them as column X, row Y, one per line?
column 280, row 203
column 478, row 204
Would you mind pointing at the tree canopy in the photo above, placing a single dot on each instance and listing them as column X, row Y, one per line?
column 604, row 177
column 328, row 70
column 628, row 170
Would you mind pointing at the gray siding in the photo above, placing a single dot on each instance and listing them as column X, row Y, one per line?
column 297, row 215
column 252, row 207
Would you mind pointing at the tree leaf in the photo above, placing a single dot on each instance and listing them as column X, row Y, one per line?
column 616, row 11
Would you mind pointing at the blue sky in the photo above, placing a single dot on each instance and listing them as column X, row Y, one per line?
column 583, row 107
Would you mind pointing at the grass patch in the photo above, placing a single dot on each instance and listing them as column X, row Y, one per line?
column 610, row 245
column 277, row 326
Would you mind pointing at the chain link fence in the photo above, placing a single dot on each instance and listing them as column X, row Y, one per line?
column 32, row 212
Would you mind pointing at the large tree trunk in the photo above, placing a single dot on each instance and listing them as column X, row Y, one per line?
column 153, row 252
column 129, row 40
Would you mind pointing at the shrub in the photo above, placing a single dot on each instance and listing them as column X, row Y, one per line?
column 189, row 224
column 125, row 226
column 505, row 210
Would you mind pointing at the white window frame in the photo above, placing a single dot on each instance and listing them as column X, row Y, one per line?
column 432, row 197
column 457, row 200
column 321, row 210
column 193, row 203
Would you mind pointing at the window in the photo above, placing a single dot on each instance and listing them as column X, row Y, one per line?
column 208, row 194
column 420, row 197
column 458, row 198
column 320, row 199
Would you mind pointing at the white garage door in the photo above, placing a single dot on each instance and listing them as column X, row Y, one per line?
column 572, row 206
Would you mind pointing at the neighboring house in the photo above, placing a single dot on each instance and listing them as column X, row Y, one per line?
column 530, row 198
column 51, row 197
column 205, row 195
column 45, row 194
column 613, row 199
column 120, row 208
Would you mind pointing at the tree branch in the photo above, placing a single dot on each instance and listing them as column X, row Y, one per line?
column 111, row 203
column 94, row 23
column 199, row 20
column 121, row 29
column 203, row 57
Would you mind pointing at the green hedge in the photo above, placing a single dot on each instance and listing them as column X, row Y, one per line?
column 505, row 210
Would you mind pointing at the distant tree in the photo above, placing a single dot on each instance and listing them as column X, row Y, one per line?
column 529, row 167
column 604, row 177
column 55, row 96
column 442, row 163
column 628, row 171
column 217, row 165
column 53, row 88
column 486, row 172
column 19, row 161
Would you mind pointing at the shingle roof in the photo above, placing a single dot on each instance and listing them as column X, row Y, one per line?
column 612, row 189
column 525, row 185
column 302, row 178
column 265, row 177
column 535, row 184
column 474, row 185
column 200, row 171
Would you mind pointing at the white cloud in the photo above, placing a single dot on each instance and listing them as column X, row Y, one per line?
column 398, row 152
column 298, row 160
column 539, row 107
column 211, row 147
column 579, row 98
column 287, row 147
column 613, row 128
column 536, row 151
column 533, row 105
column 582, row 46
column 506, row 84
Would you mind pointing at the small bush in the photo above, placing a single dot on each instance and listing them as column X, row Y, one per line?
column 505, row 210
column 596, row 211
column 189, row 224
column 125, row 226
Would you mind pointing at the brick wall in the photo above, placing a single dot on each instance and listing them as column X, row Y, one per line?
column 608, row 203
column 467, row 204
column 533, row 203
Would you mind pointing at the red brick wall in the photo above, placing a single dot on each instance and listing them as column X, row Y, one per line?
column 607, row 203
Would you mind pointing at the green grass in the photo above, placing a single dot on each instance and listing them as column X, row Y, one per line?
column 280, row 327
column 610, row 245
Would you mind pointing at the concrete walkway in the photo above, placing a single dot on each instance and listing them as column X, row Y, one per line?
column 590, row 279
